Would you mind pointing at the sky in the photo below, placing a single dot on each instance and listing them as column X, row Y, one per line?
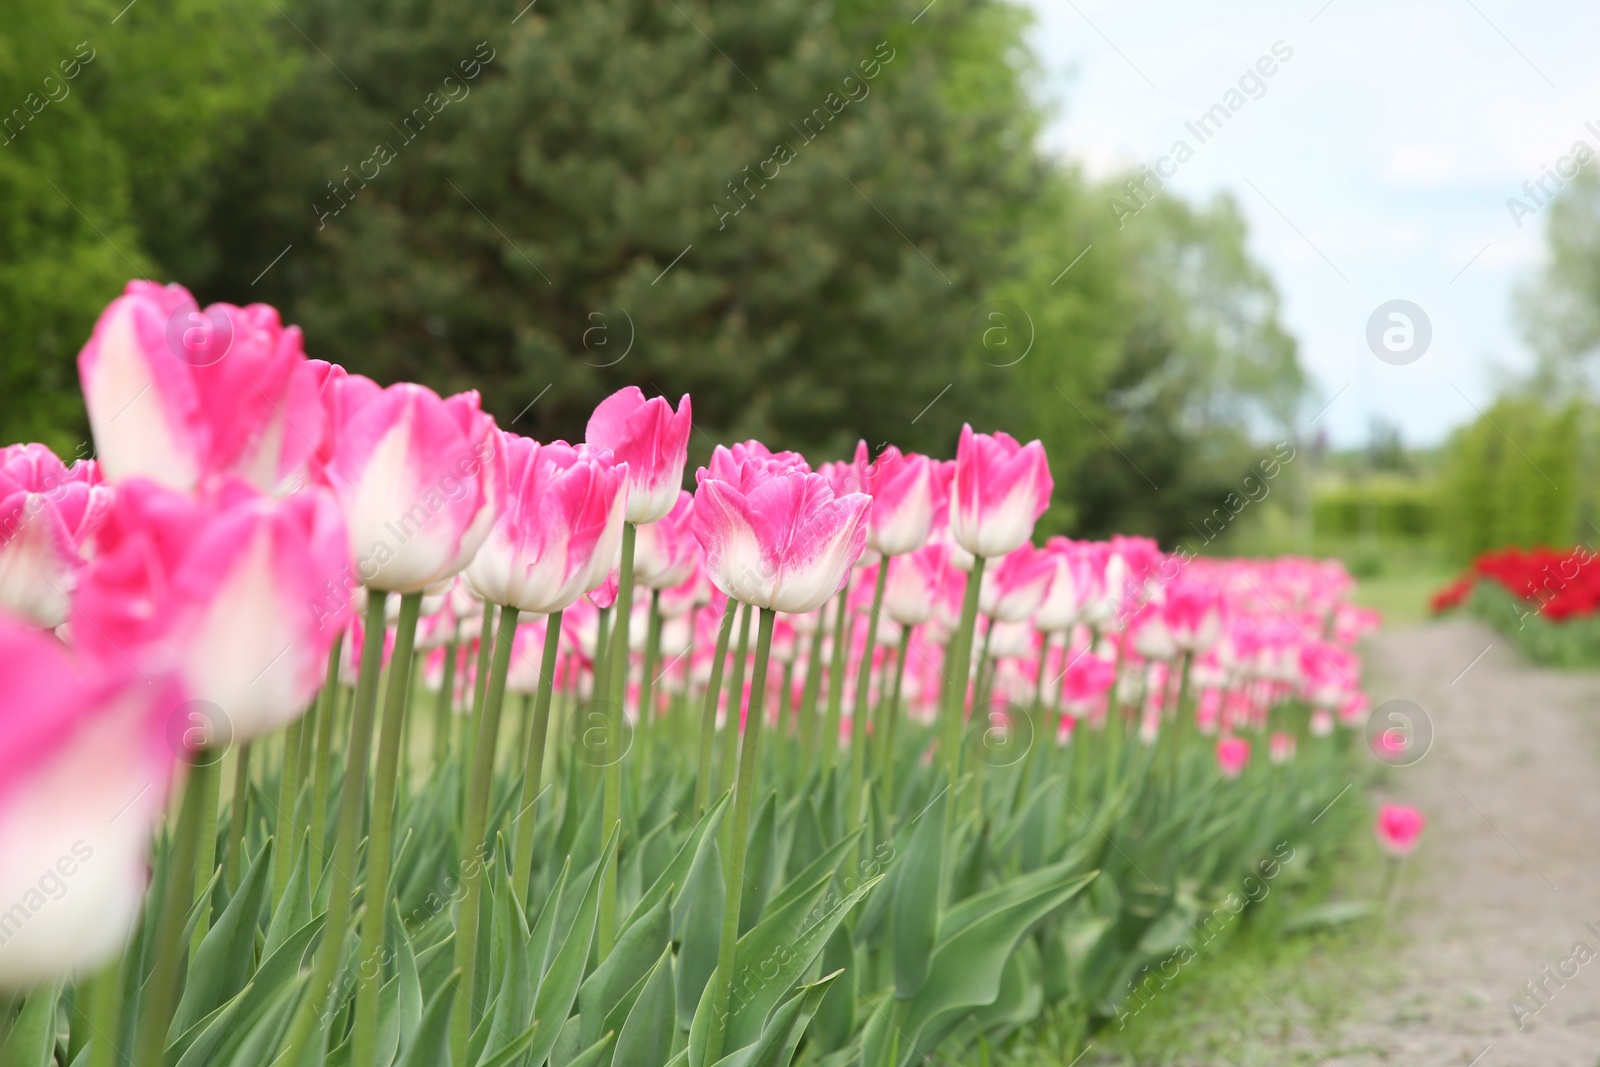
column 1373, row 165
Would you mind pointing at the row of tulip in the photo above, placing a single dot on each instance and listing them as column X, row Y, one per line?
column 1546, row 600
column 968, row 728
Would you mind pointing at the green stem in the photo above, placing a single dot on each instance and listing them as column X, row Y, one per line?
column 480, row 685
column 236, row 814
column 380, row 841
column 730, row 724
column 708, row 718
column 446, row 702
column 858, row 717
column 960, row 668
column 105, row 1014
column 322, row 764
column 893, row 717
column 341, row 872
column 205, row 861
column 836, row 668
column 527, row 817
column 288, row 793
column 611, row 800
column 472, row 842
column 808, row 695
column 743, row 795
column 652, row 654
column 161, row 989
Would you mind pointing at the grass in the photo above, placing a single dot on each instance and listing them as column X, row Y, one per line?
column 1402, row 595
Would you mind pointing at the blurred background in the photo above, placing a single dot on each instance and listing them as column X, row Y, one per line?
column 832, row 222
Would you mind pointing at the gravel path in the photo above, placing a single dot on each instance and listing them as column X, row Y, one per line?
column 1507, row 880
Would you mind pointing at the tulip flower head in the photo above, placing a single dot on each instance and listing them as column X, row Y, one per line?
column 999, row 491
column 558, row 529
column 1233, row 755
column 1015, row 585
column 779, row 540
column 85, row 766
column 230, row 591
column 652, row 440
column 178, row 394
column 904, row 493
column 418, row 477
column 47, row 513
column 1399, row 828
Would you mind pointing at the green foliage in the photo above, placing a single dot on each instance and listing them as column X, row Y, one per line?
column 1512, row 477
column 1571, row 642
column 108, row 135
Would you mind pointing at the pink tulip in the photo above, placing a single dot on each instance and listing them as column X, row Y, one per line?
column 999, row 491
column 779, row 540
column 748, row 461
column 652, row 440
column 558, row 529
column 665, row 552
column 1399, row 828
column 917, row 582
column 1233, row 754
column 176, row 394
column 85, row 764
column 235, row 593
column 1070, row 588
column 47, row 512
column 1015, row 585
column 689, row 594
column 418, row 478
column 1282, row 748
column 903, row 490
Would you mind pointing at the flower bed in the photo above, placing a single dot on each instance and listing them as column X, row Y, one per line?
column 828, row 765
column 1546, row 601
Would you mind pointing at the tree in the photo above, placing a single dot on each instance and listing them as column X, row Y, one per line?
column 600, row 194
column 107, row 133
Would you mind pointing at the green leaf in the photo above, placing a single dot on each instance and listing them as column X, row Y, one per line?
column 629, row 961
column 967, row 969
column 222, row 965
column 409, row 1004
column 647, row 1035
column 916, row 899
column 676, row 874
column 514, row 1051
column 294, row 910
column 595, row 1054
column 514, row 1004
column 560, row 986
column 697, row 926
column 213, row 1033
column 432, row 1045
column 749, row 1013
column 32, row 1041
column 782, row 1035
column 541, row 944
column 758, row 863
column 1327, row 916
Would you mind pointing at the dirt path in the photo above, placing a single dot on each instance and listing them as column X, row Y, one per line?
column 1508, row 877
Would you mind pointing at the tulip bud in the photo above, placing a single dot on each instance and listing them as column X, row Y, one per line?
column 418, row 478
column 652, row 440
